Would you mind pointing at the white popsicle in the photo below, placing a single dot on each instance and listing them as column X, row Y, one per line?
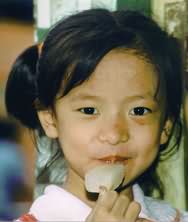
column 107, row 175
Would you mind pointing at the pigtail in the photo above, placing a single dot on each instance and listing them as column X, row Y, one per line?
column 21, row 89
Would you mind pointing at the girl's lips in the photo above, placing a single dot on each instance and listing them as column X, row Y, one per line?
column 114, row 159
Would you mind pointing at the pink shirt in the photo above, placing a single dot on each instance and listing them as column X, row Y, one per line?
column 56, row 204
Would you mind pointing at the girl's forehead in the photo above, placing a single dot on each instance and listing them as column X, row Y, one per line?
column 123, row 67
column 121, row 72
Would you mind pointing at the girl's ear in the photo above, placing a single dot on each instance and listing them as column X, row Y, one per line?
column 47, row 121
column 166, row 132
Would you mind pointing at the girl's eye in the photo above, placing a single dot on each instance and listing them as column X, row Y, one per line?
column 88, row 111
column 140, row 111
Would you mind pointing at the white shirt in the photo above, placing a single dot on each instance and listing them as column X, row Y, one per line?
column 56, row 204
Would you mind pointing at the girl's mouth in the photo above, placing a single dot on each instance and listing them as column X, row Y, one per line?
column 114, row 159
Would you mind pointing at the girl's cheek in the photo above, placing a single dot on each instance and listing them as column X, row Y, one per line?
column 148, row 120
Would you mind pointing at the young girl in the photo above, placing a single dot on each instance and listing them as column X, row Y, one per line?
column 105, row 87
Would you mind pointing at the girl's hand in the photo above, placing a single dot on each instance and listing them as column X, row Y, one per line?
column 113, row 207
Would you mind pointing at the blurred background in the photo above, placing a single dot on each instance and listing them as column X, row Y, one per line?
column 16, row 147
column 25, row 22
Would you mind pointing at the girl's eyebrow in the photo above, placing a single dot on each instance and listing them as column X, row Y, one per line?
column 144, row 96
column 85, row 97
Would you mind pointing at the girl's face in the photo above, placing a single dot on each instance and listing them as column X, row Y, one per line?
column 113, row 117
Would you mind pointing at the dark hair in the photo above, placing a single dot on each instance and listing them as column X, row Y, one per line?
column 74, row 47
column 21, row 89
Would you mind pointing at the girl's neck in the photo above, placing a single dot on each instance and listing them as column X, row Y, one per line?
column 75, row 185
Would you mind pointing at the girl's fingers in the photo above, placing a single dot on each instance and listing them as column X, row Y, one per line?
column 132, row 212
column 106, row 199
column 111, row 206
column 120, row 206
column 103, row 206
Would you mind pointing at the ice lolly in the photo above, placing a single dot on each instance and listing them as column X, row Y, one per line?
column 107, row 175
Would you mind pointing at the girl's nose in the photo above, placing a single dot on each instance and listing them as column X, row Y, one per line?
column 114, row 132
